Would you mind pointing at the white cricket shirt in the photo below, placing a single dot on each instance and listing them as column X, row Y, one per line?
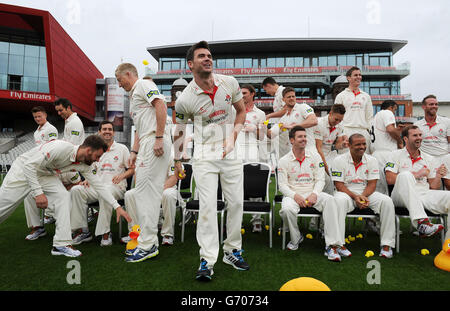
column 358, row 108
column 142, row 111
column 301, row 176
column 354, row 177
column 434, row 136
column 213, row 115
column 45, row 133
column 74, row 130
column 383, row 141
column 327, row 134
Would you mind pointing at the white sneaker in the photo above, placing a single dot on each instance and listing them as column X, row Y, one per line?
column 332, row 253
column 80, row 237
column 294, row 246
column 257, row 227
column 49, row 220
column 386, row 254
column 167, row 240
column 68, row 251
column 344, row 252
column 108, row 241
column 36, row 233
column 427, row 229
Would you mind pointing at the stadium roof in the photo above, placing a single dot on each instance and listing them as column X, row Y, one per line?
column 285, row 45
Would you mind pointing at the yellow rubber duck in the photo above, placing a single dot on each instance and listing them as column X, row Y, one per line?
column 442, row 260
column 134, row 234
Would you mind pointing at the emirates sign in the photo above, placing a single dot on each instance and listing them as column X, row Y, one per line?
column 20, row 95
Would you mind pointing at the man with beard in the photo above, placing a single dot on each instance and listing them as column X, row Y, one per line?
column 37, row 171
column 416, row 178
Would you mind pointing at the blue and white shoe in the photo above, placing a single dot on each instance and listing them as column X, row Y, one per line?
column 130, row 252
column 204, row 272
column 140, row 255
column 67, row 251
column 235, row 259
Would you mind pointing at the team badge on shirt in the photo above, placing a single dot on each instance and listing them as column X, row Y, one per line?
column 152, row 93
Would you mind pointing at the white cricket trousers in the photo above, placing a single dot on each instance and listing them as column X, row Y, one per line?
column 382, row 157
column 380, row 204
column 81, row 196
column 144, row 200
column 405, row 194
column 206, row 175
column 33, row 214
column 169, row 209
column 15, row 188
column 326, row 205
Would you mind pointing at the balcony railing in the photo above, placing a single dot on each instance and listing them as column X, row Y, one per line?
column 291, row 70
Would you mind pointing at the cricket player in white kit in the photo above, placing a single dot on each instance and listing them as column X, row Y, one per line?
column 387, row 139
column 355, row 176
column 36, row 171
column 210, row 100
column 358, row 106
column 295, row 114
column 150, row 154
column 329, row 136
column 73, row 127
column 435, row 130
column 44, row 133
column 416, row 179
column 272, row 88
column 301, row 179
column 112, row 170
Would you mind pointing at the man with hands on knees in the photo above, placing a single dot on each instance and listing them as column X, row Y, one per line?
column 355, row 176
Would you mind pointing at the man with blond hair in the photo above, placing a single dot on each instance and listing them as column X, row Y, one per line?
column 149, row 154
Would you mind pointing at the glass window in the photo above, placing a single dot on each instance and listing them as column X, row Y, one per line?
column 332, row 60
column 359, row 61
column 374, row 91
column 351, row 60
column 384, row 61
column 15, row 65
column 43, row 69
column 31, row 67
column 374, row 61
column 385, row 91
column 175, row 65
column 3, row 81
column 290, row 62
column 314, row 61
column 280, row 62
column 263, row 63
column 342, row 60
column 43, row 85
column 166, row 66
column 306, row 62
column 30, row 84
column 239, row 63
column 229, row 63
column 255, row 63
column 247, row 63
column 42, row 52
column 16, row 49
column 400, row 111
column 32, row 50
column 323, row 61
column 271, row 62
column 3, row 63
column 299, row 62
column 221, row 63
column 4, row 47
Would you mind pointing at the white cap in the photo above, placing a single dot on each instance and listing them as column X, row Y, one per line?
column 180, row 82
column 341, row 79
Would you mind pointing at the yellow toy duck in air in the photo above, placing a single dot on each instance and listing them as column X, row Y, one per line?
column 134, row 234
column 442, row 260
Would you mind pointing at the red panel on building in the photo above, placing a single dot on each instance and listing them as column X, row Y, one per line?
column 70, row 72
